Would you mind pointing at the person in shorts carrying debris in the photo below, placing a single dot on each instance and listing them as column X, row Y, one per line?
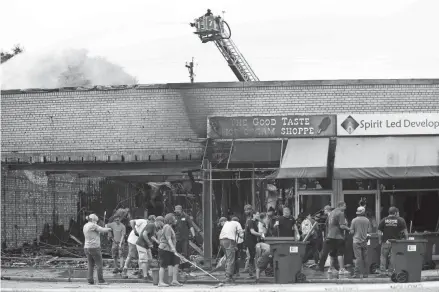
column 137, row 226
column 117, row 237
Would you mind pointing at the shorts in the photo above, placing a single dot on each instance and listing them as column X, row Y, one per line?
column 336, row 247
column 132, row 251
column 263, row 258
column 168, row 258
column 117, row 251
column 145, row 255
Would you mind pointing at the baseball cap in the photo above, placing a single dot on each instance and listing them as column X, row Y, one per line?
column 361, row 210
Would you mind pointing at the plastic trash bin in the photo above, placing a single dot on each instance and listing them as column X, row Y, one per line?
column 373, row 254
column 406, row 260
column 432, row 239
column 287, row 259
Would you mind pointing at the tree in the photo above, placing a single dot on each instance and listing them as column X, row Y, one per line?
column 5, row 56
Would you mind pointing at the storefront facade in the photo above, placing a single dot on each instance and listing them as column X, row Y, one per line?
column 391, row 160
column 151, row 131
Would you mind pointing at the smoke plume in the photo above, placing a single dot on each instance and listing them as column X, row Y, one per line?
column 68, row 68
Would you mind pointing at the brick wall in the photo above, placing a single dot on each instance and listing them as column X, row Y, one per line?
column 156, row 120
column 32, row 199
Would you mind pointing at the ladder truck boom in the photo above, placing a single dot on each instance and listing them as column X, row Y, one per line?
column 210, row 28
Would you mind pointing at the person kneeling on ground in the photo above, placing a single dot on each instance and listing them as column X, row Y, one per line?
column 168, row 253
column 92, row 248
column 263, row 258
column 144, row 245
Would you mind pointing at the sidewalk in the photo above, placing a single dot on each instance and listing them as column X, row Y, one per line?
column 11, row 286
column 79, row 275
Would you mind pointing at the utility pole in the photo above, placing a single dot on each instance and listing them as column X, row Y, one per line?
column 190, row 67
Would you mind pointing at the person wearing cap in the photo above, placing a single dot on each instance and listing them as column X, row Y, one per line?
column 183, row 230
column 168, row 252
column 144, row 245
column 117, row 237
column 361, row 227
column 390, row 228
column 92, row 248
column 230, row 233
column 137, row 226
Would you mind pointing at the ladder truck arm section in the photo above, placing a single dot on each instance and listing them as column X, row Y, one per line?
column 212, row 28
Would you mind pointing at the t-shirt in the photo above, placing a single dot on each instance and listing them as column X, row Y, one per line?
column 117, row 230
column 335, row 219
column 166, row 234
column 361, row 226
column 182, row 228
column 92, row 238
column 286, row 226
column 140, row 224
column 391, row 227
column 230, row 231
column 249, row 238
column 145, row 235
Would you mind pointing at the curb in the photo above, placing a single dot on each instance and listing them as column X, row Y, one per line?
column 209, row 282
column 252, row 288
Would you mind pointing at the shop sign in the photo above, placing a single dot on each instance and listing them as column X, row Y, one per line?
column 388, row 124
column 288, row 126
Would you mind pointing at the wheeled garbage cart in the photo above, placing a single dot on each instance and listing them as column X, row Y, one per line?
column 287, row 259
column 407, row 259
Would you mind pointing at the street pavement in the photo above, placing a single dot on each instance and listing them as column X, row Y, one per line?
column 16, row 286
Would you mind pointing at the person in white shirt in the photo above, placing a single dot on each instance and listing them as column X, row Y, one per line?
column 138, row 225
column 229, row 236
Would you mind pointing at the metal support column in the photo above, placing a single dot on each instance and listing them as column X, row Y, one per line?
column 378, row 203
column 253, row 191
column 207, row 212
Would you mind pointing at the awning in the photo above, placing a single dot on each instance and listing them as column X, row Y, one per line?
column 247, row 152
column 386, row 157
column 256, row 152
column 305, row 158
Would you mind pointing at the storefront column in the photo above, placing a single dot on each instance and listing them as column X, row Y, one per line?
column 337, row 192
column 378, row 203
column 253, row 190
column 207, row 212
column 296, row 198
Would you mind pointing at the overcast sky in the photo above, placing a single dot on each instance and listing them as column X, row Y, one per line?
column 282, row 40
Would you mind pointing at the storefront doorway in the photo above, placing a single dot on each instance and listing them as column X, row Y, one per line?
column 311, row 203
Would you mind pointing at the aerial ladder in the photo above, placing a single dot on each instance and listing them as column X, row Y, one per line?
column 210, row 28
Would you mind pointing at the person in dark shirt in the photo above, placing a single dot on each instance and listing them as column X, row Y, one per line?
column 270, row 221
column 390, row 228
column 326, row 248
column 144, row 245
column 337, row 225
column 251, row 238
column 286, row 225
column 183, row 230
